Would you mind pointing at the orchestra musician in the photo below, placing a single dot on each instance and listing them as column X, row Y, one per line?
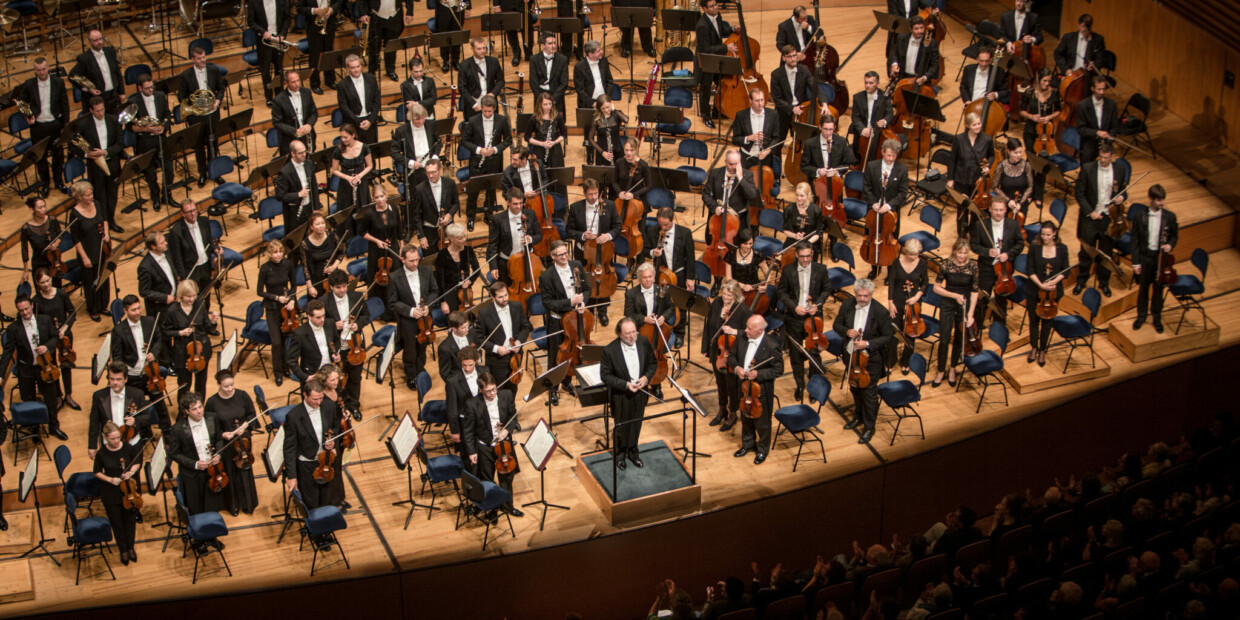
column 628, row 365
column 103, row 134
column 956, row 283
column 88, row 229
column 320, row 245
column 592, row 79
column 520, row 174
column 460, row 389
column 605, row 136
column 1015, row 184
column 115, row 463
column 486, row 136
column 907, row 9
column 185, row 322
column 157, row 276
column 915, row 55
column 357, row 97
column 231, row 409
column 757, row 358
column 310, row 429
column 277, row 287
column 454, row 263
column 112, row 404
column 793, row 86
column 593, row 219
column 460, row 328
column 483, row 426
column 559, row 285
column 49, row 102
column 1020, row 24
column 865, row 327
column 37, row 235
column 148, row 139
column 101, row 66
column 1154, row 231
column 1097, row 119
column 29, row 337
column 450, row 16
column 909, row 281
column 573, row 8
column 803, row 219
column 438, row 203
column 138, row 340
column 347, row 315
column 294, row 113
column 297, row 188
column 803, row 288
column 743, row 265
column 632, row 180
column 53, row 302
column 727, row 315
column 417, row 141
column 885, row 187
column 797, row 31
column 647, row 304
column 997, row 239
column 753, row 130
column 412, row 287
column 626, row 34
column 526, row 31
column 270, row 21
column 387, row 21
column 194, row 443
column 712, row 34
column 549, row 72
column 671, row 245
column 315, row 343
column 352, row 163
column 730, row 187
column 1047, row 267
column 420, row 88
column 203, row 76
column 513, row 333
column 972, row 154
column 871, row 112
column 546, row 132
column 322, row 38
column 381, row 226
column 1039, row 105
column 824, row 156
column 975, row 80
column 1095, row 192
column 480, row 75
column 1080, row 49
column 511, row 231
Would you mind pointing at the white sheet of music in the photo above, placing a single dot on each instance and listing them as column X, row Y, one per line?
column 406, row 438
column 228, row 353
column 158, row 465
column 540, row 445
column 274, row 455
column 591, row 375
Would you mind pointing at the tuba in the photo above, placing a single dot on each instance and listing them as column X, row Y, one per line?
column 201, row 103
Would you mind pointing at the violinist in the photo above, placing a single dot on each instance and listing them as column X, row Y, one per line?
column 605, row 135
column 1154, row 234
column 510, row 232
column 383, row 230
column 956, row 283
column 796, row 31
column 885, row 186
column 1039, row 105
column 803, row 287
column 501, row 344
column 460, row 327
column 194, row 444
column 185, row 323
column 192, row 247
column 975, row 80
column 329, row 376
column 55, row 303
column 1048, row 266
column 671, row 245
column 347, row 313
column 483, row 426
column 549, row 71
column 628, row 365
column 793, row 85
column 647, row 304
column 725, row 317
column 115, row 463
column 1095, row 192
column 438, row 203
column 909, row 279
column 1080, row 49
column 753, row 130
column 593, row 219
column 459, row 389
column 743, row 265
column 545, row 132
column 412, row 287
column 1015, row 185
column 352, row 163
column 971, row 155
column 298, row 189
column 558, row 285
column 486, row 137
column 759, row 359
column 1097, row 119
column 39, row 234
column 915, row 55
column 320, row 245
column 455, row 263
column 277, row 288
column 998, row 239
column 626, row 34
column 131, row 338
column 157, row 277
column 88, row 229
column 314, row 343
column 231, row 409
column 730, row 187
column 712, row 34
column 803, row 218
column 865, row 327
column 907, row 9
column 871, row 114
column 1021, row 25
column 29, row 337
column 113, row 405
column 310, row 429
column 632, row 180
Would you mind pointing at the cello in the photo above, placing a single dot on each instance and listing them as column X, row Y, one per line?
column 543, row 207
column 631, row 213
column 829, row 190
column 723, row 228
column 523, row 270
column 880, row 247
column 598, row 260
column 908, row 124
column 657, row 336
column 577, row 327
column 734, row 90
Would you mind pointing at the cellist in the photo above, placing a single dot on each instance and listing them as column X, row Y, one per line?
column 593, row 219
column 730, row 187
column 510, row 231
column 885, row 187
column 975, row 80
column 803, row 287
column 483, row 425
column 823, row 155
column 647, row 306
column 871, row 113
column 632, row 180
column 558, row 285
column 757, row 358
column 792, row 85
column 915, row 55
column 998, row 239
column 725, row 317
column 865, row 327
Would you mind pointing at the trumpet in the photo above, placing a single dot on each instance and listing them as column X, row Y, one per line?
column 321, row 22
column 84, row 146
column 24, row 108
column 279, row 45
column 82, row 82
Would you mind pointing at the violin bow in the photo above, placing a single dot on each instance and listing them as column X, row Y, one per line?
column 351, row 429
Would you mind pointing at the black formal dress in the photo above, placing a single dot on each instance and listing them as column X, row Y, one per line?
column 606, row 135
column 1044, row 269
column 727, row 384
column 175, row 320
column 385, row 226
column 231, row 414
column 276, row 280
column 59, row 307
column 904, row 286
column 962, row 280
column 88, row 233
column 964, row 168
column 113, row 464
column 347, row 194
column 37, row 240
column 547, row 130
column 450, row 270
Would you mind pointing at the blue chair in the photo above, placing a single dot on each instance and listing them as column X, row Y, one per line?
column 82, row 485
column 18, row 124
column 320, row 526
column 932, row 217
column 357, row 268
column 227, row 193
column 1067, row 163
column 133, row 72
column 430, row 412
column 768, row 245
column 855, row 209
column 375, row 307
column 932, row 301
column 679, row 97
column 660, row 198
column 1076, row 329
column 117, row 310
column 701, row 279
column 1188, row 288
column 614, row 93
column 203, row 42
column 1058, row 209
column 379, row 341
column 356, row 246
column 800, row 419
column 249, row 40
column 838, row 277
column 620, row 245
column 90, row 537
column 202, row 533
column 902, row 394
column 987, row 364
column 445, row 468
column 27, row 419
column 75, row 169
column 482, row 497
column 256, row 332
column 269, row 209
column 693, row 150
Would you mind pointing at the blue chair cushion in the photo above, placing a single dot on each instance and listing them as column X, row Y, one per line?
column 561, row 227
column 622, row 272
column 232, row 193
column 275, row 232
column 840, row 277
column 493, row 496
column 1064, row 163
column 259, row 333
column 462, row 174
column 382, row 336
column 324, row 520
column 932, row 326
column 28, row 413
column 206, row 526
column 855, row 208
column 984, row 363
column 898, row 393
column 1071, row 326
column 93, row 530
column 444, row 468
column 304, row 45
column 250, row 58
column 540, row 337
column 7, row 166
column 232, row 258
column 767, row 245
column 357, row 268
column 773, row 323
column 1187, row 285
column 681, row 128
column 797, row 418
column 21, row 147
column 435, row 412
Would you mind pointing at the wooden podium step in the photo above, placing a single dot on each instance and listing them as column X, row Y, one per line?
column 1026, row 377
column 1147, row 344
column 16, row 581
column 21, row 534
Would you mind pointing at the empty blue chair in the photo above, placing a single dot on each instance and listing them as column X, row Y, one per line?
column 90, row 537
column 800, row 419
column 255, row 330
column 227, row 193
column 483, row 497
column 431, row 412
column 1076, row 329
column 231, row 258
column 855, row 209
column 269, row 209
column 838, row 277
column 902, row 394
column 768, row 245
column 27, row 419
column 660, row 198
column 202, row 533
column 987, row 364
column 82, row 485
column 356, row 246
column 932, row 217
column 693, row 150
column 442, row 469
column 357, row 268
column 1188, row 288
column 133, row 72
column 1067, row 163
column 320, row 526
column 375, row 307
column 75, row 169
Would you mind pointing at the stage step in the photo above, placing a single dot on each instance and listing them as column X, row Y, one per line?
column 16, row 580
column 1027, row 378
column 21, row 535
column 1147, row 344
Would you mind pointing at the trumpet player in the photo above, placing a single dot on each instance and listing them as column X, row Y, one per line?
column 102, row 136
column 100, row 66
column 153, row 105
column 322, row 34
column 269, row 19
column 386, row 19
column 49, row 111
column 202, row 76
column 450, row 16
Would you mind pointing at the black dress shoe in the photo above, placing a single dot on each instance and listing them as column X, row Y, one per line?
column 873, row 274
column 318, row 90
column 624, row 53
column 798, row 395
column 516, row 59
column 345, row 505
column 4, row 524
column 741, row 452
column 516, row 513
column 853, row 423
column 202, row 180
column 936, row 383
column 72, row 404
column 1106, row 291
column 392, row 76
column 1158, row 326
column 709, row 123
column 757, row 460
column 718, row 419
column 865, row 437
column 279, row 380
column 621, row 463
column 64, row 189
column 6, row 318
column 1079, row 288
column 1138, row 323
column 603, row 319
column 235, row 511
column 125, row 559
column 95, row 318
column 269, row 103
column 637, row 459
column 728, row 424
column 59, row 434
column 133, row 555
column 651, row 53
column 951, row 381
column 115, row 228
column 470, row 225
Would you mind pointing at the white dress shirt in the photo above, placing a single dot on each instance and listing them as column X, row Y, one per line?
column 505, row 321
column 201, row 76
column 910, row 56
column 359, row 84
column 757, row 120
column 202, row 438
column 546, row 85
column 598, row 80
column 566, row 278
column 859, row 321
column 140, row 343
column 796, row 28
column 631, row 361
column 415, row 285
column 1098, row 109
column 979, row 83
column 1082, row 45
column 870, row 99
column 269, row 11
column 1019, row 18
column 792, row 83
column 669, row 242
column 527, row 178
column 102, row 60
column 461, row 341
column 493, row 413
column 294, row 99
column 592, row 214
column 648, row 295
column 162, row 261
column 32, row 335
column 301, row 176
column 1106, row 176
column 482, row 75
column 488, row 128
column 45, row 101
column 320, row 340
column 996, row 232
column 316, row 422
column 515, row 228
column 471, row 381
column 1155, row 227
column 752, row 350
column 101, row 129
column 387, row 9
column 200, row 248
column 342, row 310
column 436, row 192
column 803, row 274
column 117, row 402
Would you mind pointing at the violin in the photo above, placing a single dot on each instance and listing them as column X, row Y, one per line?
column 346, row 425
column 383, row 270
column 64, row 346
column 815, row 339
column 194, row 361
column 858, row 376
column 128, row 432
column 598, row 259
column 1048, row 304
column 465, row 297
column 56, row 264
column 829, row 191
column 914, row 326
column 357, row 349
column 1004, row 282
column 751, row 398
column 426, row 327
column 725, row 342
column 49, row 370
column 1166, row 264
column 217, row 479
column 505, row 457
column 131, row 495
column 291, row 321
column 155, row 380
column 105, row 247
column 325, row 470
column 759, row 303
column 972, row 337
column 516, row 362
column 723, row 229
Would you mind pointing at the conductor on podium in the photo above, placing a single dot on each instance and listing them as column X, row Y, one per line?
column 628, row 367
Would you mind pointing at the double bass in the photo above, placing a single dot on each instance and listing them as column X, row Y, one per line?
column 734, row 90
column 992, row 114
column 824, row 61
column 543, row 207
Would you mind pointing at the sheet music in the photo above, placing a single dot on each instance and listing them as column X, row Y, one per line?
column 540, row 444
column 406, row 438
column 100, row 361
column 157, row 466
column 28, row 477
column 591, row 375
column 274, row 455
column 386, row 362
column 228, row 353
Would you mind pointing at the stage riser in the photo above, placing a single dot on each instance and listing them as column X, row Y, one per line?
column 642, row 510
column 1027, row 378
column 17, row 581
column 21, row 535
column 1146, row 344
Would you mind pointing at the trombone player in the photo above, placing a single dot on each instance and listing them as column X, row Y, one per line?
column 194, row 80
column 269, row 19
column 149, row 123
column 47, row 101
column 322, row 34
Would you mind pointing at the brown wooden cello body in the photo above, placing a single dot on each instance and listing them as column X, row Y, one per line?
column 734, row 90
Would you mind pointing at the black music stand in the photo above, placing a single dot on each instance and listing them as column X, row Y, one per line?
column 560, row 179
column 563, row 26
column 488, row 183
column 922, row 107
column 545, row 383
column 502, row 22
column 133, row 169
column 455, row 38
column 723, row 66
column 892, row 23
column 672, row 180
column 585, row 118
column 632, row 18
column 24, row 490
column 29, row 158
column 603, row 175
column 690, row 303
column 180, row 143
column 403, row 44
column 679, row 20
column 688, row 406
column 656, row 116
column 233, row 124
column 168, row 85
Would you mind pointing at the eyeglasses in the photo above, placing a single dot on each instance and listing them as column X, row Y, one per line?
column 559, row 255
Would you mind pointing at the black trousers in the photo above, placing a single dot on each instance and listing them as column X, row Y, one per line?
column 1149, row 279
column 501, row 369
column 1039, row 329
column 866, row 399
column 30, row 387
column 626, row 39
column 705, row 87
column 1094, row 232
column 485, row 470
column 268, row 56
column 352, row 389
column 472, row 190
column 627, row 414
column 161, row 408
column 106, row 190
column 553, row 345
column 96, row 298
column 382, row 31
column 986, row 284
column 727, row 388
column 50, row 176
column 124, row 524
column 951, row 325
column 279, row 365
column 199, row 498
column 756, row 432
column 314, row 494
column 447, row 20
column 208, row 146
column 795, row 329
column 320, row 43
column 146, row 144
column 413, row 354
column 196, row 381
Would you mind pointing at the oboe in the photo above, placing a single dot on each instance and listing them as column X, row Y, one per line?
column 547, row 151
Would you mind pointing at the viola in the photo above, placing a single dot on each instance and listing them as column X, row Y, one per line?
column 194, row 361
column 1004, row 283
column 290, row 319
column 725, row 342
column 599, row 257
column 346, row 425
column 1166, row 268
column 972, row 340
column 383, row 270
column 465, row 297
column 723, row 229
column 128, row 432
column 858, row 375
column 325, row 470
column 914, row 325
column 1048, row 304
column 357, row 348
column 155, row 380
column 217, row 479
column 759, row 303
column 131, row 496
column 56, row 264
column 49, row 370
column 426, row 328
column 751, row 398
column 734, row 90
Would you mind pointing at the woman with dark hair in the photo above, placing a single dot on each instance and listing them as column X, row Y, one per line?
column 88, row 228
column 743, row 263
column 545, row 132
column 603, row 137
column 232, row 409
column 1039, row 105
column 1014, row 184
column 116, row 462
column 320, row 245
column 1047, row 267
column 38, row 234
column 55, row 303
column 351, row 163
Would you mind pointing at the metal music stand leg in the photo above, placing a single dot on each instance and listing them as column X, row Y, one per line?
column 43, row 539
column 172, row 527
column 551, row 422
column 542, row 499
column 685, row 412
column 413, row 505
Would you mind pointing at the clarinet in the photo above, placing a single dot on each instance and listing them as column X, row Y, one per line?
column 547, row 151
column 486, row 144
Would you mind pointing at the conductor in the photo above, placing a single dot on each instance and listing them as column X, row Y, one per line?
column 628, row 367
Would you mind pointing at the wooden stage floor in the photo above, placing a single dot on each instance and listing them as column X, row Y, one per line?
column 375, row 540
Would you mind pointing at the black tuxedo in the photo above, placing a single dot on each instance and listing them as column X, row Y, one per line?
column 756, row 434
column 88, row 67
column 302, row 446
column 101, row 413
column 878, row 333
column 557, row 302
column 400, row 300
column 1168, row 232
column 184, row 254
column 927, row 58
column 500, row 241
column 512, row 178
column 627, row 408
column 488, row 321
column 709, row 41
column 1031, row 26
column 1000, row 84
column 403, row 147
column 350, row 103
column 477, row 435
column 257, row 18
column 556, row 80
column 742, row 127
column 862, row 117
column 29, row 382
column 105, row 184
column 683, row 252
column 288, row 185
column 58, row 106
column 742, row 195
column 153, row 285
column 304, row 356
column 898, row 8
column 193, row 481
column 605, row 214
column 208, row 146
column 125, row 348
column 472, row 87
column 145, row 142
column 786, row 34
column 449, row 365
column 361, row 316
column 381, row 31
column 1065, row 52
column 583, row 81
column 789, row 294
column 1088, row 125
column 473, row 137
column 1012, row 243
column 1090, row 231
column 636, row 308
column 320, row 43
column 423, row 91
column 286, row 119
column 424, row 198
column 782, row 92
column 840, row 154
column 894, row 193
